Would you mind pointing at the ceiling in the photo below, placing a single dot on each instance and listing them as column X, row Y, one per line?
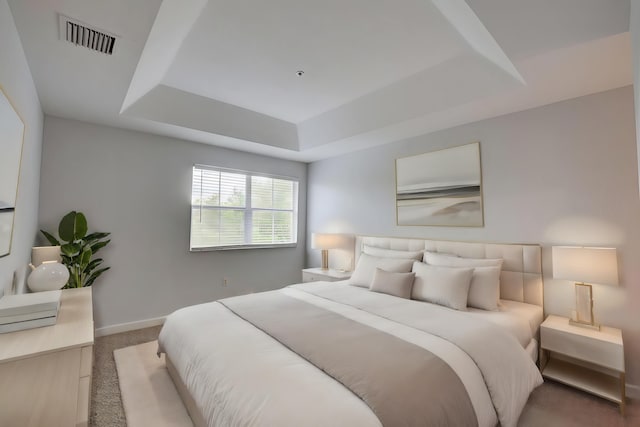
column 375, row 71
column 246, row 52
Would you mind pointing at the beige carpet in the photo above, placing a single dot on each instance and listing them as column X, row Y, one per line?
column 150, row 398
column 148, row 394
column 106, row 407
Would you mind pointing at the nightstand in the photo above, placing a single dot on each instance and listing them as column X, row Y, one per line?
column 592, row 361
column 318, row 275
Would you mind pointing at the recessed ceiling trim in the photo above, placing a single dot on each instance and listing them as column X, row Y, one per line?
column 473, row 31
column 173, row 22
column 174, row 106
column 81, row 34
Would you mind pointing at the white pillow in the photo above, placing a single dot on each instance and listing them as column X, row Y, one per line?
column 448, row 286
column 367, row 264
column 484, row 291
column 454, row 261
column 396, row 284
column 392, row 253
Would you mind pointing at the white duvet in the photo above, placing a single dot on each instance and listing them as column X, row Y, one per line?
column 239, row 376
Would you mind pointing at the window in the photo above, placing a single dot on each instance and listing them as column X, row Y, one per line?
column 236, row 209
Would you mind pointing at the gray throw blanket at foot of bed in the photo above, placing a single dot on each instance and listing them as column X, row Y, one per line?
column 403, row 384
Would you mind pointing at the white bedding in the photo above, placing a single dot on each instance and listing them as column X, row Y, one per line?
column 520, row 319
column 238, row 376
column 533, row 313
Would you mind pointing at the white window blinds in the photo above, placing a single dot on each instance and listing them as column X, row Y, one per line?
column 231, row 209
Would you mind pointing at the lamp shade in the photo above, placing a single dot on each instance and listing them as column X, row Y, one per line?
column 588, row 265
column 329, row 241
column 40, row 254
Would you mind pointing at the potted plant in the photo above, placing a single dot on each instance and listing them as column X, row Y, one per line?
column 78, row 248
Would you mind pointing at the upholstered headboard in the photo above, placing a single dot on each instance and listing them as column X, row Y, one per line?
column 521, row 277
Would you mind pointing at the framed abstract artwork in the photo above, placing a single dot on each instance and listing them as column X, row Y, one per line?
column 11, row 137
column 440, row 188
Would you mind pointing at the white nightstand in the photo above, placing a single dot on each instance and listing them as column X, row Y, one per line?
column 589, row 360
column 318, row 274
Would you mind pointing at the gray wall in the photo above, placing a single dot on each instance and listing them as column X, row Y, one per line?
column 560, row 174
column 138, row 186
column 16, row 81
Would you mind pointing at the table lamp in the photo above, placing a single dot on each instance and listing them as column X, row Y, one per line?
column 40, row 254
column 585, row 266
column 325, row 242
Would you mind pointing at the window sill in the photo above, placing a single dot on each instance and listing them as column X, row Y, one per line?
column 235, row 247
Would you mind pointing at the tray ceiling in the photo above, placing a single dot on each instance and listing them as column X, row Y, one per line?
column 224, row 73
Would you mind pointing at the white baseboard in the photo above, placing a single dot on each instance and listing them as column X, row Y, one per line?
column 633, row 391
column 130, row 326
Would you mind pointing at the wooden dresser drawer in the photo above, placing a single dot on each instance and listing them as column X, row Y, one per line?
column 40, row 391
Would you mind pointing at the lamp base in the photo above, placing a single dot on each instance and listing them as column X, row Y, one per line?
column 325, row 259
column 584, row 307
column 594, row 327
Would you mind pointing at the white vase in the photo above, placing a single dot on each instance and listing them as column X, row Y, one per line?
column 49, row 276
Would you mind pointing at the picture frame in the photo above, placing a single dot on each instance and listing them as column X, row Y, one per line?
column 440, row 188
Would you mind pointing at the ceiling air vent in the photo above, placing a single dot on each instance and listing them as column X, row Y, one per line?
column 81, row 34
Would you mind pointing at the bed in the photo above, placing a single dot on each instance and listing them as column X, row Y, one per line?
column 339, row 354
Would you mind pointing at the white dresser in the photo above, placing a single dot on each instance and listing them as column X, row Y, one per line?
column 45, row 373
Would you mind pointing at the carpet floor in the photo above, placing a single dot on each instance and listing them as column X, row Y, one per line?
column 550, row 405
column 106, row 405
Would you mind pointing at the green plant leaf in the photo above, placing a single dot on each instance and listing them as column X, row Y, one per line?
column 85, row 258
column 72, row 281
column 95, row 275
column 70, row 249
column 92, row 265
column 50, row 238
column 95, row 236
column 66, row 229
column 80, row 226
column 99, row 245
column 73, row 226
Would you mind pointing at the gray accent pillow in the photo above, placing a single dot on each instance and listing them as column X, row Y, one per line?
column 396, row 284
column 447, row 286
column 367, row 264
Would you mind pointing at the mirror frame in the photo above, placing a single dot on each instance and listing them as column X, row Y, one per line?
column 21, row 142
